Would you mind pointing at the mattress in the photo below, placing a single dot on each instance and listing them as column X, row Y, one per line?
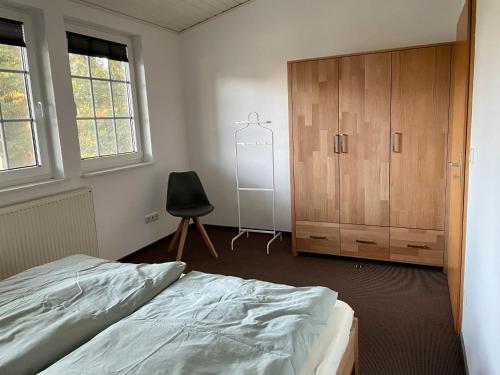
column 337, row 334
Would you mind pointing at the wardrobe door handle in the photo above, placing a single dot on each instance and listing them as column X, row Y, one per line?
column 457, row 164
column 317, row 237
column 424, row 247
column 336, row 144
column 396, row 142
column 343, row 143
column 366, row 242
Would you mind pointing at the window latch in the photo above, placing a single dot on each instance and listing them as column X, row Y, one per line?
column 40, row 108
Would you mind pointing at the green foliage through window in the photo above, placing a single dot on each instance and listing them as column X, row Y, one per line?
column 17, row 136
column 102, row 94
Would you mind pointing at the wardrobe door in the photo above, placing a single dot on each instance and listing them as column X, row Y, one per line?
column 365, row 122
column 420, row 104
column 314, row 91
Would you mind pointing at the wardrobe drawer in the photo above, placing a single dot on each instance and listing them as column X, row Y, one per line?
column 317, row 237
column 364, row 241
column 417, row 246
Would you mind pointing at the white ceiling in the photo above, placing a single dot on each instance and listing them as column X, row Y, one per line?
column 175, row 15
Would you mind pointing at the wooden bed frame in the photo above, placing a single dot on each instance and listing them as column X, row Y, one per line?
column 349, row 364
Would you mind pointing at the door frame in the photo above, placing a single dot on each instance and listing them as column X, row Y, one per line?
column 467, row 156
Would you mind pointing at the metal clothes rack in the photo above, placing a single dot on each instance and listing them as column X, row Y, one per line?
column 246, row 125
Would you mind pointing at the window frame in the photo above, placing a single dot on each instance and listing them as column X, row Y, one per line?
column 119, row 160
column 36, row 104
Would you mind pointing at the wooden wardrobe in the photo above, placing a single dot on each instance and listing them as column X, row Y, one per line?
column 368, row 139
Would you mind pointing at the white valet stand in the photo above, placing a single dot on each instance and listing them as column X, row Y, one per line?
column 247, row 124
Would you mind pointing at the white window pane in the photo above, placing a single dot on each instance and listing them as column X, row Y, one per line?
column 124, row 136
column 102, row 99
column 79, row 65
column 117, row 70
column 120, row 99
column 99, row 67
column 10, row 57
column 19, row 140
column 107, row 139
column 87, row 138
column 13, row 100
column 82, row 95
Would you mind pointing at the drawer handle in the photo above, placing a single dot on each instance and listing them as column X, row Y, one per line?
column 318, row 237
column 366, row 242
column 417, row 246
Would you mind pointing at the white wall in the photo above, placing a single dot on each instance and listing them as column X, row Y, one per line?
column 123, row 198
column 237, row 64
column 481, row 313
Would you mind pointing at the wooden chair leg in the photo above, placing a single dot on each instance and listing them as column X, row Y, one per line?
column 174, row 239
column 204, row 234
column 185, row 225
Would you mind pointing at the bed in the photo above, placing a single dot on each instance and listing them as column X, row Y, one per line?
column 83, row 315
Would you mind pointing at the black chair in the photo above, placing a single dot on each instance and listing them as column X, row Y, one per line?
column 187, row 199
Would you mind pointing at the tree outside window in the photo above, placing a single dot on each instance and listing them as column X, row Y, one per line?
column 17, row 124
column 102, row 94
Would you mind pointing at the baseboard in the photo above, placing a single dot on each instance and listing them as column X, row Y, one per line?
column 218, row 226
column 152, row 244
column 166, row 238
column 137, row 252
column 284, row 232
column 464, row 353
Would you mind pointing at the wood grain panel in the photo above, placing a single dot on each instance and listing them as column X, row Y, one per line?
column 420, row 104
column 314, row 88
column 364, row 241
column 292, row 157
column 349, row 364
column 317, row 237
column 365, row 120
column 460, row 72
column 417, row 246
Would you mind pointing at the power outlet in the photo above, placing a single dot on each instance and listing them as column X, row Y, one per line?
column 152, row 217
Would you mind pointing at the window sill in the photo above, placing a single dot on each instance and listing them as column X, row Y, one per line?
column 33, row 185
column 117, row 169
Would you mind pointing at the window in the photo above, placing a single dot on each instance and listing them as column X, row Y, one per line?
column 23, row 152
column 104, row 99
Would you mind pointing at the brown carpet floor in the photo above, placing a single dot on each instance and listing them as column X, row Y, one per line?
column 404, row 312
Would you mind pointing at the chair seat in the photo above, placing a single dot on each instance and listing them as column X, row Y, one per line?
column 191, row 211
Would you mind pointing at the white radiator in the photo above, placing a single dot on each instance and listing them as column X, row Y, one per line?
column 43, row 230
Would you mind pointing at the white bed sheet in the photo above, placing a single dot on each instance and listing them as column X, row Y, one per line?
column 337, row 333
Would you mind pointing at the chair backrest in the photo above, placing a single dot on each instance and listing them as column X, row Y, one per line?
column 185, row 190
